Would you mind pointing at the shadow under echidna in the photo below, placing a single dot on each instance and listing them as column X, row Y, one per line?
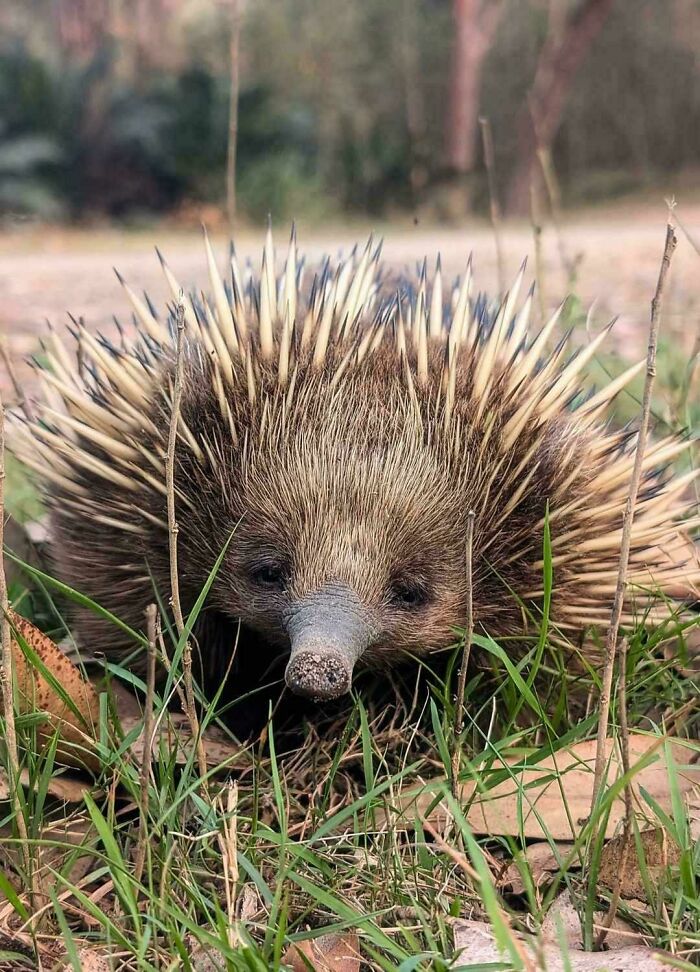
column 334, row 435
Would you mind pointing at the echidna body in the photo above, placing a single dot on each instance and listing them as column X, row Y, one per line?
column 333, row 442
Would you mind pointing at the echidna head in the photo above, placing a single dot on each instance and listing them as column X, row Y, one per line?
column 349, row 544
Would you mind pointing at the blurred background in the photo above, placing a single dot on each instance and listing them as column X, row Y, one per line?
column 120, row 109
column 563, row 123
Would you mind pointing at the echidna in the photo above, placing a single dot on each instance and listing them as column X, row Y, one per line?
column 333, row 440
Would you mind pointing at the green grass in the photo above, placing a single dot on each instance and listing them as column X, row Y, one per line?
column 311, row 858
column 305, row 850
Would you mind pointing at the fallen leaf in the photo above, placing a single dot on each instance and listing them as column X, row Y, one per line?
column 219, row 749
column 542, row 859
column 92, row 960
column 202, row 958
column 66, row 845
column 660, row 853
column 329, row 953
column 75, row 725
column 563, row 915
column 63, row 786
column 249, row 904
column 175, row 731
column 552, row 798
column 476, row 945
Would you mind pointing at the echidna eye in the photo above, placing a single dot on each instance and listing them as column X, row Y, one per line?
column 270, row 574
column 409, row 593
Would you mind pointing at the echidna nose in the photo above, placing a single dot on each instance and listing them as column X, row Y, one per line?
column 319, row 674
column 328, row 631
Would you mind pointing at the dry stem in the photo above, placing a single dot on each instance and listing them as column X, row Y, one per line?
column 228, row 842
column 468, row 636
column 190, row 702
column 570, row 264
column 618, row 603
column 145, row 774
column 7, row 670
column 170, row 466
column 629, row 806
column 537, row 237
column 494, row 205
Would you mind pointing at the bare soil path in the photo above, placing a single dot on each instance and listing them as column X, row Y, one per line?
column 46, row 273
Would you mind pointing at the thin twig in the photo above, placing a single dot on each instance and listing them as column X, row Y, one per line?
column 570, row 264
column 539, row 263
column 228, row 843
column 173, row 529
column 170, row 465
column 628, row 519
column 466, row 651
column 621, row 872
column 689, row 237
column 160, row 640
column 494, row 205
column 147, row 758
column 7, row 673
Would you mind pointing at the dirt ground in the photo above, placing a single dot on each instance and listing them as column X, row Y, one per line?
column 48, row 272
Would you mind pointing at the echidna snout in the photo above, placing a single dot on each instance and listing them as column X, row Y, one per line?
column 328, row 631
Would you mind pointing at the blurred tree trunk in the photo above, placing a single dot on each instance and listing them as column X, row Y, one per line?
column 564, row 51
column 476, row 22
column 414, row 107
column 233, row 116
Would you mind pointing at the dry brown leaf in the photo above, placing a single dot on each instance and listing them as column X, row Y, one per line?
column 562, row 914
column 218, row 747
column 204, row 959
column 329, row 953
column 67, row 847
column 541, row 857
column 553, row 797
column 70, row 789
column 660, row 853
column 75, row 728
column 689, row 666
column 249, row 904
column 476, row 945
column 92, row 960
column 174, row 729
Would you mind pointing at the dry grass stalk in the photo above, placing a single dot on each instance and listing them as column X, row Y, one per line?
column 536, row 224
column 148, row 721
column 570, row 264
column 611, row 640
column 189, row 696
column 170, row 465
column 629, row 806
column 7, row 670
column 228, row 842
column 494, row 205
column 466, row 651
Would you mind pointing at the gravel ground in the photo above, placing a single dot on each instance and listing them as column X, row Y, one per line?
column 45, row 273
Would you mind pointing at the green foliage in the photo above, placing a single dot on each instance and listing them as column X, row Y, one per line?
column 338, row 102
